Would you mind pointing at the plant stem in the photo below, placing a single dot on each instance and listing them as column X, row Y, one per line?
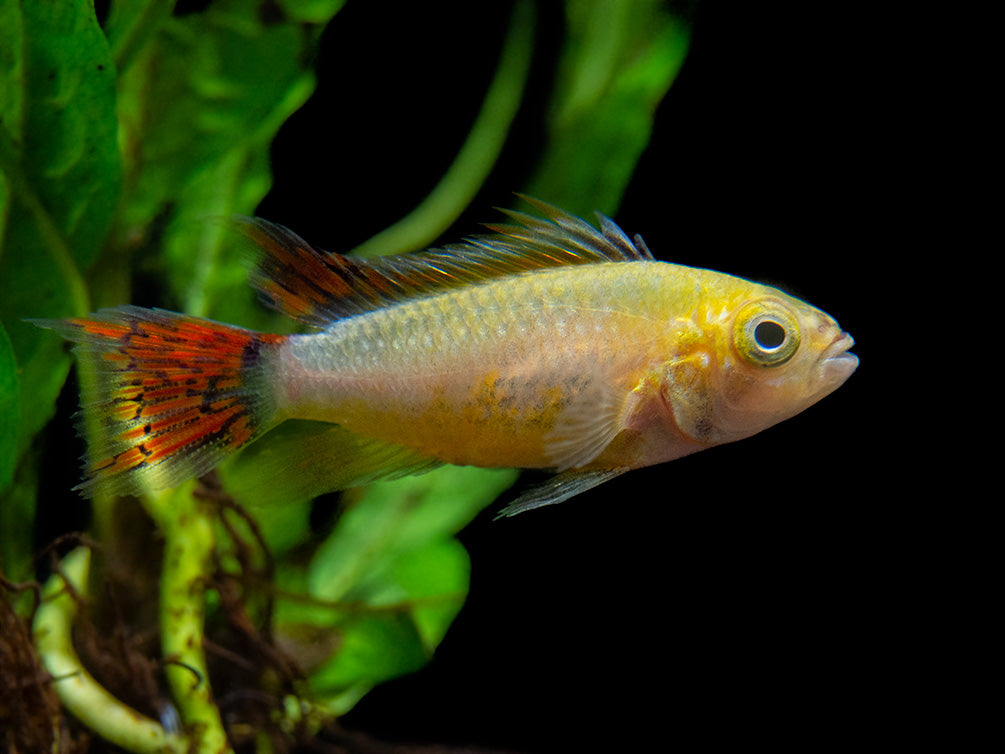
column 80, row 693
column 189, row 540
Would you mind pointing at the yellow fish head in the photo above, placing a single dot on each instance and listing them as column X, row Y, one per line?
column 767, row 356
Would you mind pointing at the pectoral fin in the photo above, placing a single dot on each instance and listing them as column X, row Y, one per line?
column 596, row 413
column 558, row 489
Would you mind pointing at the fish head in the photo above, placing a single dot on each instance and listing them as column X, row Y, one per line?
column 767, row 356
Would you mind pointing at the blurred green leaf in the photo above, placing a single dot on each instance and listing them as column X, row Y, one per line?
column 371, row 648
column 10, row 410
column 433, row 581
column 130, row 26
column 619, row 60
column 396, row 517
column 199, row 107
column 399, row 576
column 205, row 260
column 17, row 519
column 310, row 11
column 60, row 162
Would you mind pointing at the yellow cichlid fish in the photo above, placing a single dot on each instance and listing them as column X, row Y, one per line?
column 550, row 344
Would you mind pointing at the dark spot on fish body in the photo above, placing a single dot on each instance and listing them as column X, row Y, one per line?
column 703, row 429
column 504, row 403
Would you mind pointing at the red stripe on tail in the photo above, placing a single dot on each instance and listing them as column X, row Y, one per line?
column 177, row 394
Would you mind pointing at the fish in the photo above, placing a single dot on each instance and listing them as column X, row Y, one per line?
column 548, row 343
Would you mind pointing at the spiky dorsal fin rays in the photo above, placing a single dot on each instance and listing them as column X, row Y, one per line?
column 307, row 284
column 319, row 287
column 566, row 238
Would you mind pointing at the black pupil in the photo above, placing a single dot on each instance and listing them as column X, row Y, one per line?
column 769, row 334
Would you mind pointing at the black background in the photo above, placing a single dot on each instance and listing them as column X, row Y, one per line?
column 755, row 592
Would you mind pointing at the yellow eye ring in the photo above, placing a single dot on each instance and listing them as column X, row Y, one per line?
column 766, row 333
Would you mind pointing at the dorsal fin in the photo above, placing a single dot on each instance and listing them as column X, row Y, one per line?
column 319, row 287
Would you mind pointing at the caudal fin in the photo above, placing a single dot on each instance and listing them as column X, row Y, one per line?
column 175, row 395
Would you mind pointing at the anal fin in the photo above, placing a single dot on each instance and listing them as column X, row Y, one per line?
column 299, row 460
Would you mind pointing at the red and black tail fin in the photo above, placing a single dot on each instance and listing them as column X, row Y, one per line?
column 176, row 394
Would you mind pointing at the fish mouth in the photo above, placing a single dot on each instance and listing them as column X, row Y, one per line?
column 836, row 360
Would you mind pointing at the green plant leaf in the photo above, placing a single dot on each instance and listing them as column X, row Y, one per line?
column 60, row 163
column 17, row 518
column 200, row 107
column 310, row 11
column 205, row 261
column 397, row 517
column 10, row 409
column 371, row 647
column 619, row 60
column 130, row 25
column 397, row 575
column 17, row 501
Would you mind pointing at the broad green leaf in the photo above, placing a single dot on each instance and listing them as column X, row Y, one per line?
column 310, row 11
column 433, row 582
column 130, row 26
column 619, row 60
column 10, row 410
column 395, row 518
column 199, row 107
column 392, row 577
column 372, row 647
column 60, row 163
column 17, row 519
column 205, row 260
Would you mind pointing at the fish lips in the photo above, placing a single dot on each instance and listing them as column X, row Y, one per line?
column 836, row 363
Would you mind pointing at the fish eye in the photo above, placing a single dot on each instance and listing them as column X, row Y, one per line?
column 766, row 333
column 769, row 334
